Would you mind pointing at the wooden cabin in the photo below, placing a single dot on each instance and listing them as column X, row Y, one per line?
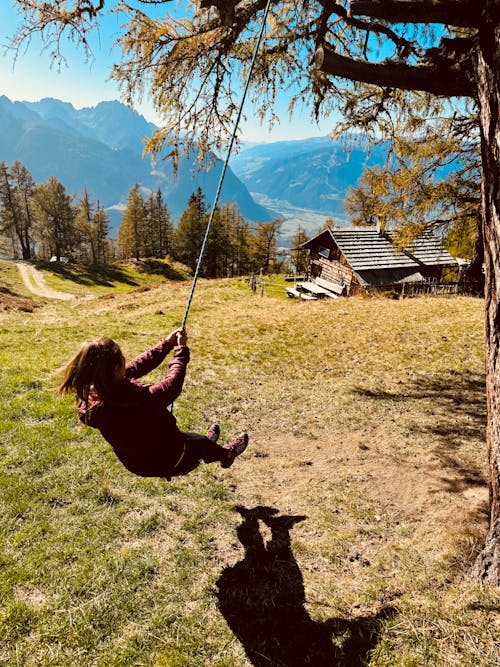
column 358, row 259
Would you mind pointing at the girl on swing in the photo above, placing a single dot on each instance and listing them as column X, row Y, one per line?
column 133, row 416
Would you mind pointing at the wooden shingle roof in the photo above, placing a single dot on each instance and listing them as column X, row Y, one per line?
column 428, row 249
column 365, row 248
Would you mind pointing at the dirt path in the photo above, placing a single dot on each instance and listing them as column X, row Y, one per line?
column 35, row 282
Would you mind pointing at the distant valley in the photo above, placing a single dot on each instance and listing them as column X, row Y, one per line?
column 304, row 181
column 100, row 149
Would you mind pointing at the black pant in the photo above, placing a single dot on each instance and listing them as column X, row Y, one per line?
column 198, row 448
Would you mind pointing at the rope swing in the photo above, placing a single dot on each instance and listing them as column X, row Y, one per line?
column 226, row 162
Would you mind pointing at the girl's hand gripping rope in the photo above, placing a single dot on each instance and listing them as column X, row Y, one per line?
column 177, row 337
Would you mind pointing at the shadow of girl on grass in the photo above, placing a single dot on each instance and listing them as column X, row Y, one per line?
column 262, row 599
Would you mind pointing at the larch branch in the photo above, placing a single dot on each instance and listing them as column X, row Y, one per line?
column 449, row 80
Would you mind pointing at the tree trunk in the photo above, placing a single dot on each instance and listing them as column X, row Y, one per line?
column 487, row 566
column 27, row 229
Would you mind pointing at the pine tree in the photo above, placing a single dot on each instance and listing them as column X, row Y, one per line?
column 299, row 255
column 191, row 230
column 236, row 250
column 131, row 234
column 100, row 230
column 92, row 224
column 16, row 217
column 265, row 246
column 83, row 223
column 55, row 230
column 24, row 188
column 217, row 249
column 160, row 231
column 9, row 213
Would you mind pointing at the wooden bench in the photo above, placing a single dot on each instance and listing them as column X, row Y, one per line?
column 292, row 292
column 316, row 289
column 331, row 287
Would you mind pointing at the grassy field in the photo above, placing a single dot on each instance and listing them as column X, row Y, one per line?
column 342, row 537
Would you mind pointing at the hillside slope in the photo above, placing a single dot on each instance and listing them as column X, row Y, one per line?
column 342, row 536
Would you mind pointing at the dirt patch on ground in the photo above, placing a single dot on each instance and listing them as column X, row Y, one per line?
column 11, row 301
column 360, row 482
column 336, row 533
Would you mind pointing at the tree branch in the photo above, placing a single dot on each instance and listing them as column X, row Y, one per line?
column 449, row 81
column 465, row 13
column 333, row 8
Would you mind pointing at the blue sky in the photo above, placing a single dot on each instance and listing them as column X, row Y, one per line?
column 84, row 84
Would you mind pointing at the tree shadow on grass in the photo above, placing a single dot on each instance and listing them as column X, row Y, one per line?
column 83, row 274
column 262, row 599
column 8, row 292
column 107, row 276
column 160, row 268
column 454, row 407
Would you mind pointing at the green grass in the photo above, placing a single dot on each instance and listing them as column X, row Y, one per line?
column 367, row 425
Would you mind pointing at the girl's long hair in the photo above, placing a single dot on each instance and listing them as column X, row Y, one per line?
column 92, row 370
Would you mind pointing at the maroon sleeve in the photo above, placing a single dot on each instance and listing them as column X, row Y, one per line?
column 170, row 387
column 148, row 361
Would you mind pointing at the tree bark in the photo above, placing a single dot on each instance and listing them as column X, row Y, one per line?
column 487, row 566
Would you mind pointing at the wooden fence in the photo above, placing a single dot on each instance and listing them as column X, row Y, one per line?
column 408, row 290
column 397, row 290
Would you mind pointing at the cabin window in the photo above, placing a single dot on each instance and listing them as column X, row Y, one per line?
column 324, row 252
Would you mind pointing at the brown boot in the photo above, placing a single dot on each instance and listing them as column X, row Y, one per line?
column 235, row 448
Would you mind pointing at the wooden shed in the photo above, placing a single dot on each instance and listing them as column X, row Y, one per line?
column 363, row 258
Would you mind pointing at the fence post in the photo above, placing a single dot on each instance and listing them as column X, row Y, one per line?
column 253, row 283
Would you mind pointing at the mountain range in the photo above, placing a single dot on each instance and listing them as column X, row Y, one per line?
column 101, row 149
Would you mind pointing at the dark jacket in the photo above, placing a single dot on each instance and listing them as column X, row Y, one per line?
column 135, row 421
